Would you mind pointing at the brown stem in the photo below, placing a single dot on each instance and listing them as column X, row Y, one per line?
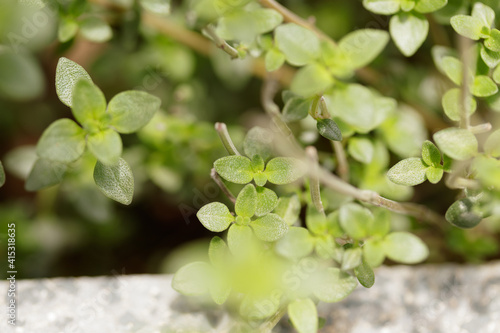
column 215, row 176
column 312, row 155
column 220, row 43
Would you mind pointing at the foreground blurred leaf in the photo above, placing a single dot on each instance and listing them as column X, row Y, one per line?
column 457, row 143
column 304, row 316
column 409, row 31
column 405, row 248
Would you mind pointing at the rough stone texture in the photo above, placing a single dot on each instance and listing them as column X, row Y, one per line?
column 429, row 298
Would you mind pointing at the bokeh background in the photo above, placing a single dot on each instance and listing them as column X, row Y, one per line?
column 72, row 229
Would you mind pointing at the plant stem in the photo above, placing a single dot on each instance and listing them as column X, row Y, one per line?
column 224, row 136
column 481, row 128
column 418, row 211
column 343, row 166
column 215, row 176
column 312, row 155
column 467, row 61
column 268, row 326
column 219, row 42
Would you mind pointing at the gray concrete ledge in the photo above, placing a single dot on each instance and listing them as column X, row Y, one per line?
column 430, row 298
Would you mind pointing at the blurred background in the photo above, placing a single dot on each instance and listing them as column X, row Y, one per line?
column 72, row 229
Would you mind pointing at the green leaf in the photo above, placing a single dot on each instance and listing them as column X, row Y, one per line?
column 484, row 13
column 260, row 179
column 467, row 26
column 106, row 146
column 2, row 175
column 257, row 163
column 405, row 248
column 329, row 129
column 68, row 28
column 247, row 24
column 431, row 154
column 409, row 31
column 361, row 149
column 299, row 45
column 304, row 316
column 274, row 60
column 269, row 228
column 487, row 171
column 284, row 170
column 96, row 30
column 288, row 209
column 218, row 252
column 429, row 6
column 382, row 223
column 22, row 76
column 360, row 107
column 310, row 80
column 45, row 173
column 240, row 240
column 296, row 108
column 461, row 214
column 384, row 7
column 362, row 46
column 434, row 174
column 407, row 5
column 453, row 68
column 492, row 144
column 315, row 220
column 267, row 200
column 334, row 285
column 365, row 274
column 115, row 181
column 409, row 172
column 326, row 248
column 236, row 169
column 191, row 280
column 258, row 141
column 493, row 41
column 131, row 110
column 452, row 101
column 356, row 220
column 219, row 288
column 490, row 58
column 457, row 143
column 63, row 141
column 296, row 244
column 68, row 73
column 215, row 216
column 496, row 74
column 161, row 7
column 373, row 252
column 89, row 105
column 483, row 86
column 351, row 258
column 246, row 202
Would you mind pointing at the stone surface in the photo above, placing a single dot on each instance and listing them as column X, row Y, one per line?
column 430, row 298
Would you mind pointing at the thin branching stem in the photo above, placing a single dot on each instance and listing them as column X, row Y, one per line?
column 312, row 155
column 343, row 165
column 481, row 128
column 224, row 136
column 219, row 42
column 467, row 63
column 216, row 178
